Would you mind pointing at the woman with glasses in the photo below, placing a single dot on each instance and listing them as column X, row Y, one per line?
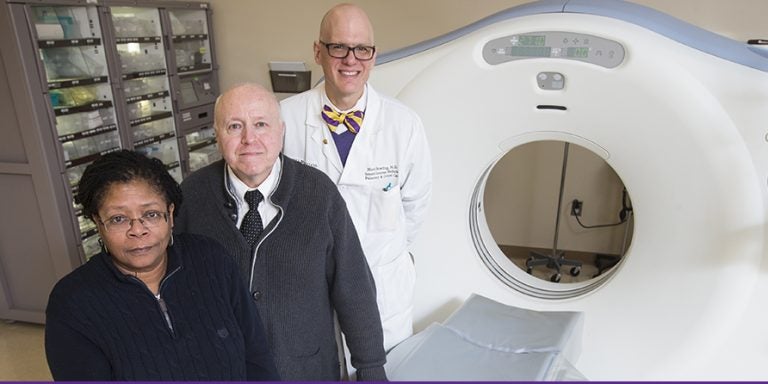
column 150, row 306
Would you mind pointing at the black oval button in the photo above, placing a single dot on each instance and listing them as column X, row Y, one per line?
column 233, row 217
column 256, row 295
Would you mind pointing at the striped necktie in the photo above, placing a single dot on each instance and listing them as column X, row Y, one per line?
column 352, row 119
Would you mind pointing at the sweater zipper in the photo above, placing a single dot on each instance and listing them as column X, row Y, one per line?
column 163, row 306
column 160, row 302
column 164, row 310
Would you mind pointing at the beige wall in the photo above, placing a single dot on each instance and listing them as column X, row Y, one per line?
column 522, row 192
column 250, row 33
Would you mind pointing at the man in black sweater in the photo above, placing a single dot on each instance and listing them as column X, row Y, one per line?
column 305, row 262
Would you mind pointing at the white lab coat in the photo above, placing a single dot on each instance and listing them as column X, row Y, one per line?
column 386, row 183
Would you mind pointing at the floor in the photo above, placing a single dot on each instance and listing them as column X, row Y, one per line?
column 22, row 353
column 588, row 270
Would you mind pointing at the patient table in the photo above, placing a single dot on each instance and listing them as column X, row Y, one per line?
column 488, row 341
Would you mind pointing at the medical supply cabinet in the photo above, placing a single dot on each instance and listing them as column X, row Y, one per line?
column 85, row 78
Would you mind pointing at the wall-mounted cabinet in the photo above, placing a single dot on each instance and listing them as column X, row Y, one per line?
column 201, row 148
column 145, row 80
column 196, row 74
column 85, row 78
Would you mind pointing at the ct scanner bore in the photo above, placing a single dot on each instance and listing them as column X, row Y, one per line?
column 681, row 122
column 526, row 200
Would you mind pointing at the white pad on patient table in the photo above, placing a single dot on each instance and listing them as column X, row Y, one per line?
column 486, row 340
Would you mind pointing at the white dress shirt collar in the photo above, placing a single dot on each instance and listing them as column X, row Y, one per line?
column 238, row 188
column 361, row 104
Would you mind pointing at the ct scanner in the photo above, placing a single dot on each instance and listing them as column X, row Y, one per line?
column 680, row 113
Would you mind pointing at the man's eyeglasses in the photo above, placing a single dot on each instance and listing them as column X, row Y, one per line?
column 341, row 51
column 120, row 223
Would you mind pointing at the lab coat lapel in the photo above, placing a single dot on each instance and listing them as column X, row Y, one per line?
column 363, row 147
column 320, row 134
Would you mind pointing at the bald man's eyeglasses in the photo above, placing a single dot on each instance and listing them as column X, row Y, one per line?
column 341, row 51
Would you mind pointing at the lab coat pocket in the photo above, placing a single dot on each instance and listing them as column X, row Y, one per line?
column 384, row 212
column 395, row 281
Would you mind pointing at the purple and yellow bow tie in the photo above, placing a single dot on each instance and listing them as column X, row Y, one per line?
column 352, row 119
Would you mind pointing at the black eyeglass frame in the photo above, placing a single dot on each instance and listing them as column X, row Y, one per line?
column 349, row 49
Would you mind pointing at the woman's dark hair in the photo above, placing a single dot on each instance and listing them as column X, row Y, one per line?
column 120, row 167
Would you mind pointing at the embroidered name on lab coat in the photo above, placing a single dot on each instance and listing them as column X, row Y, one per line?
column 378, row 173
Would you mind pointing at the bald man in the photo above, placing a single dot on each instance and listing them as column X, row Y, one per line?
column 290, row 232
column 375, row 149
